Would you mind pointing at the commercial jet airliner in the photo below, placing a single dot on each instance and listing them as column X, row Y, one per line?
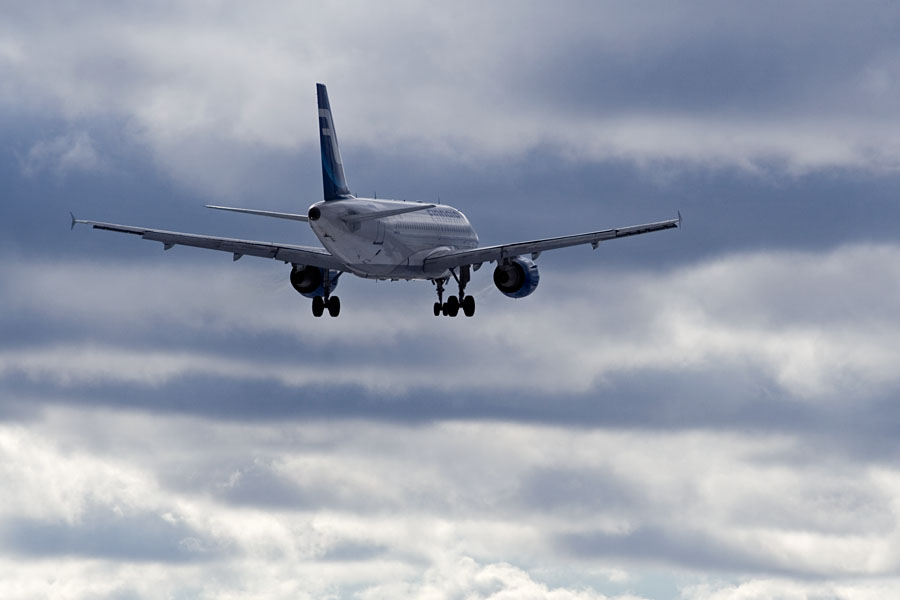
column 385, row 239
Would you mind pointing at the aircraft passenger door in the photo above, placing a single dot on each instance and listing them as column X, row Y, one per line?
column 379, row 231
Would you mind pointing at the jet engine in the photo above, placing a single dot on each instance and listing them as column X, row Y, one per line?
column 310, row 281
column 517, row 278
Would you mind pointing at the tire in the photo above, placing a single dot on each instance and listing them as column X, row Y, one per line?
column 468, row 305
column 334, row 306
column 318, row 306
column 438, row 307
column 452, row 308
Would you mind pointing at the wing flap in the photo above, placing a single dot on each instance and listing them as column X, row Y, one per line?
column 303, row 255
column 500, row 252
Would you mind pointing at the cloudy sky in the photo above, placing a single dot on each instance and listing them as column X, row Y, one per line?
column 704, row 414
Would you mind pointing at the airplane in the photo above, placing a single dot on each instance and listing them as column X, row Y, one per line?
column 385, row 239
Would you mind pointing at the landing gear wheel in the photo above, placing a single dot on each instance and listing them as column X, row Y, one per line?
column 334, row 306
column 451, row 308
column 318, row 306
column 438, row 307
column 468, row 305
column 454, row 303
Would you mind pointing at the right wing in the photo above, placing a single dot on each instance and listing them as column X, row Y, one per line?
column 477, row 256
column 299, row 255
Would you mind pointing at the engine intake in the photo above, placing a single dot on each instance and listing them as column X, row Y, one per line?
column 310, row 281
column 517, row 278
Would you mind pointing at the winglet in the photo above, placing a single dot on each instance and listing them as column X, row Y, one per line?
column 74, row 220
column 679, row 219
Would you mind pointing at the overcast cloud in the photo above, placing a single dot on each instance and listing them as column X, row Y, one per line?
column 692, row 415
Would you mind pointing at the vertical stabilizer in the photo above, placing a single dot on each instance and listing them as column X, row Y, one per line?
column 332, row 168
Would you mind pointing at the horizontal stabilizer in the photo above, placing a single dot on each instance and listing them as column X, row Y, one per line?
column 381, row 214
column 262, row 213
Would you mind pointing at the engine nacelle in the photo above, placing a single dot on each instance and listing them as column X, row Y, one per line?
column 310, row 281
column 517, row 278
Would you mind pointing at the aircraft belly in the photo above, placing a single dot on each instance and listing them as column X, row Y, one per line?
column 396, row 272
column 397, row 262
column 388, row 255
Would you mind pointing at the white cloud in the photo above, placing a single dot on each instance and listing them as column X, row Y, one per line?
column 437, row 511
column 43, row 481
column 783, row 589
column 465, row 578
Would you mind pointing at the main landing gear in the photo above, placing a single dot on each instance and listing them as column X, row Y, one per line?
column 319, row 304
column 451, row 307
column 332, row 303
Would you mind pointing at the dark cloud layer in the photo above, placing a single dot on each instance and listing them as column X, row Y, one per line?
column 663, row 401
column 769, row 58
column 520, row 199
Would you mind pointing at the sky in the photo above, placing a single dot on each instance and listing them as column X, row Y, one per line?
column 703, row 414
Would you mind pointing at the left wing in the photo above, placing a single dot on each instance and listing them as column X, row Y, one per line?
column 300, row 255
column 503, row 251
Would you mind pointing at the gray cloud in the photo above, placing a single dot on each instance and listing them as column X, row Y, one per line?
column 104, row 533
column 353, row 552
column 750, row 315
column 688, row 501
column 771, row 58
column 690, row 549
column 573, row 491
column 723, row 213
column 64, row 153
column 704, row 84
column 718, row 402
column 752, row 343
column 259, row 485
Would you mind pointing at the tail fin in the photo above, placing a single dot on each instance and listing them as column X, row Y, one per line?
column 332, row 168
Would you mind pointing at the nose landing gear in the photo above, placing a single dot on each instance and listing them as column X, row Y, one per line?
column 451, row 307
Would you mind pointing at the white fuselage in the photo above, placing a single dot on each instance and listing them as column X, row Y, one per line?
column 392, row 247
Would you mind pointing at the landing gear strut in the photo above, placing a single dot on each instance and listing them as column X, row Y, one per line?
column 332, row 303
column 439, row 305
column 451, row 307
